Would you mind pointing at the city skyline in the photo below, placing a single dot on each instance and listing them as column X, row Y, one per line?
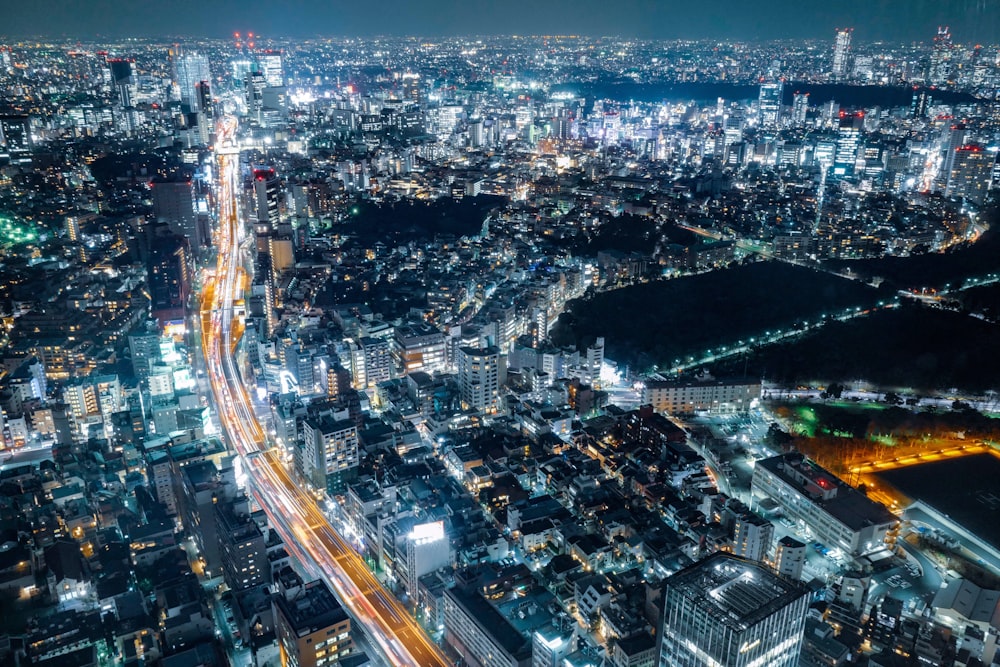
column 888, row 20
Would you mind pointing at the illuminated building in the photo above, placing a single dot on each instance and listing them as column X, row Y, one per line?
column 550, row 645
column 313, row 630
column 479, row 377
column 427, row 549
column 174, row 205
column 270, row 65
column 688, row 397
column 169, row 276
column 190, row 69
column 800, row 108
column 790, row 557
column 725, row 610
column 841, row 52
column 838, row 514
column 267, row 196
column 970, row 173
column 849, row 132
column 769, row 103
column 940, row 66
column 480, row 633
column 329, row 452
column 419, row 347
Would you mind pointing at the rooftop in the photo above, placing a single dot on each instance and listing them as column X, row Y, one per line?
column 733, row 590
column 315, row 608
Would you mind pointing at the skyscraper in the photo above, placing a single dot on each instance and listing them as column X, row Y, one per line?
column 940, row 66
column 725, row 610
column 270, row 65
column 842, row 52
column 800, row 108
column 190, row 69
column 848, row 142
column 769, row 103
column 123, row 81
column 970, row 173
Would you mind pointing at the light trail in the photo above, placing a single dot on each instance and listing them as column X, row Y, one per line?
column 291, row 509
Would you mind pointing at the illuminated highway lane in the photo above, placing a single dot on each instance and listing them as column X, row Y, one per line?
column 293, row 511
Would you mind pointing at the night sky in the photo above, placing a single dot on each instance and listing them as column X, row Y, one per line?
column 970, row 20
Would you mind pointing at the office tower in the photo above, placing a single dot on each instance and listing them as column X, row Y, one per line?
column 769, row 103
column 169, row 281
column 123, row 81
column 267, row 196
column 970, row 174
column 919, row 104
column 190, row 69
column 419, row 347
column 144, row 349
column 329, row 452
column 952, row 140
column 842, row 52
column 173, row 205
column 271, row 67
column 790, row 558
column 311, row 626
column 243, row 548
column 940, row 66
column 800, row 108
column 849, row 131
column 412, row 90
column 253, row 88
column 479, row 377
column 725, row 610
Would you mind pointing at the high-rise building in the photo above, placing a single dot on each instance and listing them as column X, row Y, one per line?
column 267, row 196
column 271, row 67
column 123, row 81
column 174, row 205
column 190, row 69
column 800, row 108
column 939, row 73
column 312, row 628
column 725, row 610
column 952, row 139
column 169, row 275
column 842, row 52
column 849, row 131
column 970, row 174
column 329, row 452
column 769, row 103
column 479, row 377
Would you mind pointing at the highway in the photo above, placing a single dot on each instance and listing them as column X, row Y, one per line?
column 292, row 510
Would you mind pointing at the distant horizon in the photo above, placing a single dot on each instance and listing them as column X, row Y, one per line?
column 10, row 39
column 895, row 21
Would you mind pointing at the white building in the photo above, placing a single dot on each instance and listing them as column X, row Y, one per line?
column 480, row 376
column 838, row 514
column 688, row 397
